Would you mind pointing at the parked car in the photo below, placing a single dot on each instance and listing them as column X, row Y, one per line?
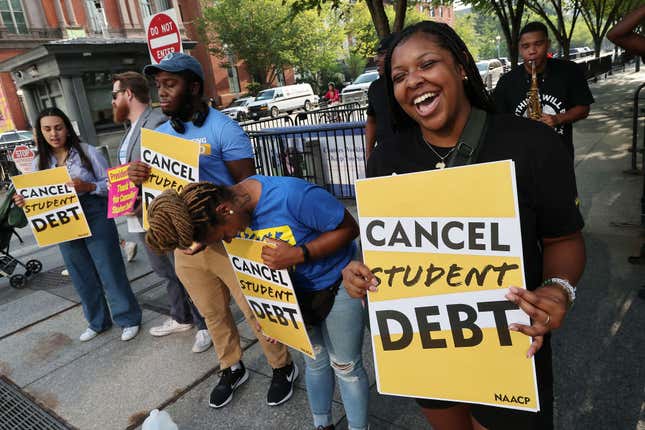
column 583, row 51
column 238, row 110
column 282, row 99
column 490, row 71
column 9, row 139
column 357, row 90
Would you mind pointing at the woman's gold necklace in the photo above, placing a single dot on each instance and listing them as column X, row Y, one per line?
column 441, row 164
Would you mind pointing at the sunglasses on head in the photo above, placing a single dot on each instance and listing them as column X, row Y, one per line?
column 115, row 93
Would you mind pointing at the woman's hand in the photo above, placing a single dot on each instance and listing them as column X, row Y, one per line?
column 358, row 279
column 195, row 248
column 82, row 186
column 267, row 338
column 138, row 172
column 546, row 306
column 278, row 254
column 18, row 200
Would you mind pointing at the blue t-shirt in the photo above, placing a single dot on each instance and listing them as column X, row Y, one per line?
column 297, row 212
column 221, row 140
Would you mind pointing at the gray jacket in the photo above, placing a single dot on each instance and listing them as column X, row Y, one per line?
column 150, row 119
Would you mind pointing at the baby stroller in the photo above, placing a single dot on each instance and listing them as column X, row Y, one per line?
column 11, row 218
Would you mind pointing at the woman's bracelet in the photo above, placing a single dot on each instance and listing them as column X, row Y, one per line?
column 565, row 286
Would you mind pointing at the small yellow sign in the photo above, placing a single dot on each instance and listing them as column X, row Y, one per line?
column 445, row 246
column 174, row 163
column 270, row 295
column 51, row 206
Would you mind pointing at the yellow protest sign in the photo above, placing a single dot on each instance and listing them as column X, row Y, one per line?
column 270, row 295
column 445, row 246
column 174, row 162
column 52, row 207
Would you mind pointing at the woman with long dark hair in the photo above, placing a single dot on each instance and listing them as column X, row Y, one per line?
column 94, row 263
column 437, row 98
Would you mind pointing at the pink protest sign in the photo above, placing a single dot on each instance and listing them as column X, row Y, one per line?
column 122, row 193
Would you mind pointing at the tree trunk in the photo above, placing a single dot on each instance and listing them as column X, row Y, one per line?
column 399, row 17
column 379, row 18
column 597, row 45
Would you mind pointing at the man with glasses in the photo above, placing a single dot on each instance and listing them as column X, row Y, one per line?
column 131, row 102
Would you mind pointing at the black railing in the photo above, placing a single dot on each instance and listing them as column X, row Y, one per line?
column 329, row 116
column 252, row 127
column 594, row 67
column 330, row 155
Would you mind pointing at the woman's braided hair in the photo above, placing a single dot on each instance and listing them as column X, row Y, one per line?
column 178, row 220
column 448, row 39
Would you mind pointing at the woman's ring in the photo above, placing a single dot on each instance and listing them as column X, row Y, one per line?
column 548, row 320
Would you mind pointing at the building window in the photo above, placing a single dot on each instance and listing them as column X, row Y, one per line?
column 13, row 16
column 97, row 20
column 281, row 79
column 47, row 93
column 150, row 7
column 441, row 11
column 432, row 11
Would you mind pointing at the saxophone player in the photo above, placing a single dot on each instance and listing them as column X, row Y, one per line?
column 549, row 90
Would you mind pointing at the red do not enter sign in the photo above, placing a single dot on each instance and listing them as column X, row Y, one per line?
column 163, row 37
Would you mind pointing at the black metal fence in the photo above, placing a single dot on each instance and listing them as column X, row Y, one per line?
column 330, row 155
column 594, row 67
column 251, row 127
column 348, row 112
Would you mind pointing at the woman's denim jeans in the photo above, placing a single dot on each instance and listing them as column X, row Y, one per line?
column 337, row 343
column 97, row 270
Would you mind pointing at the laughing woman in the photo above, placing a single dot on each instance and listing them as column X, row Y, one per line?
column 438, row 99
column 317, row 234
column 94, row 263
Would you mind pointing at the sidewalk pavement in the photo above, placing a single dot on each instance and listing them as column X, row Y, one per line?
column 109, row 384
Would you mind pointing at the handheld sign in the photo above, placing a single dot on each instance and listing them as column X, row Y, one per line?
column 445, row 252
column 122, row 193
column 174, row 162
column 52, row 207
column 23, row 157
column 162, row 35
column 270, row 295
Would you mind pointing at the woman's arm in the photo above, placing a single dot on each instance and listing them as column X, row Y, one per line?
column 563, row 257
column 281, row 255
column 623, row 35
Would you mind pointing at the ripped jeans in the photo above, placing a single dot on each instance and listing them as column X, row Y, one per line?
column 337, row 343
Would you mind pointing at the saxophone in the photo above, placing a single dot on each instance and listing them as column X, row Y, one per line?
column 534, row 107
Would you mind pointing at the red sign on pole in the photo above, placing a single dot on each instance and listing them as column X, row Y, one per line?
column 162, row 34
column 23, row 157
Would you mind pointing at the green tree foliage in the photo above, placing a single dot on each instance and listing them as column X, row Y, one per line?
column 560, row 16
column 360, row 27
column 465, row 28
column 262, row 33
column 600, row 15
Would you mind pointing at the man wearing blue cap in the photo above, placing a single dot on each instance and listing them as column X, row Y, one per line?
column 226, row 158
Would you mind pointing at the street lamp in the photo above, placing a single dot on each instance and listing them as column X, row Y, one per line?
column 498, row 38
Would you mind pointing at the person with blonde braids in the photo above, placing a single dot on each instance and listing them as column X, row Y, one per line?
column 309, row 232
column 226, row 157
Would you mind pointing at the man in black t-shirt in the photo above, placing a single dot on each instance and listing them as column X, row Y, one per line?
column 564, row 94
column 378, row 125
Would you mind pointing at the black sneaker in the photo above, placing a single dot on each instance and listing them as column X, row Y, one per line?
column 281, row 387
column 222, row 394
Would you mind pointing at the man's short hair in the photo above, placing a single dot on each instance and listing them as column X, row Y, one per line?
column 533, row 27
column 135, row 82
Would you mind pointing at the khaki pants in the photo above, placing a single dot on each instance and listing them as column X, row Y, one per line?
column 210, row 281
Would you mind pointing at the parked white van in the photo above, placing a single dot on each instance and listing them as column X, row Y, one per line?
column 282, row 99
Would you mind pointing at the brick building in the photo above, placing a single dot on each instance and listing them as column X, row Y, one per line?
column 87, row 33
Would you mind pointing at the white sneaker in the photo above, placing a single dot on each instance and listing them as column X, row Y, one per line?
column 65, row 272
column 203, row 341
column 169, row 327
column 129, row 333
column 88, row 334
column 130, row 249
